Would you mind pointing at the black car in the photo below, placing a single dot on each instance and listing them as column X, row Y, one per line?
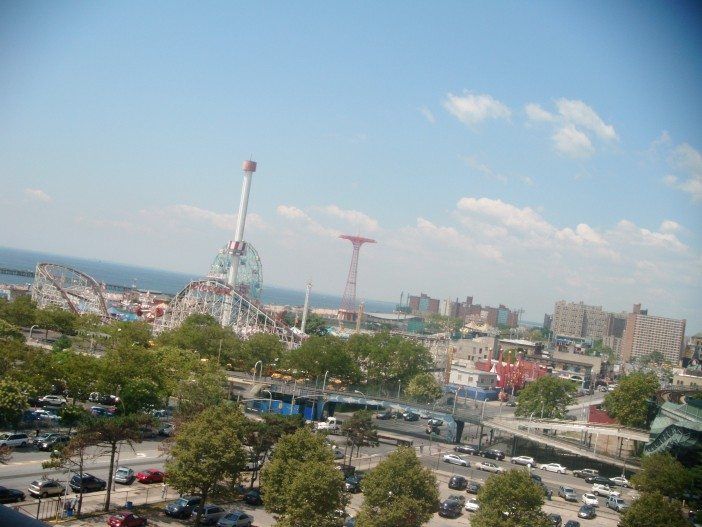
column 536, row 478
column 450, row 509
column 86, row 483
column 492, row 453
column 598, row 479
column 410, row 416
column 587, row 511
column 353, row 483
column 572, row 523
column 472, row 487
column 183, row 507
column 384, row 416
column 473, row 450
column 457, row 483
column 556, row 520
column 10, row 495
column 253, row 497
column 53, row 443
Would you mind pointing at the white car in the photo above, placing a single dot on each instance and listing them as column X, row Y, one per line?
column 590, row 499
column 472, row 505
column 620, row 481
column 604, row 490
column 554, row 467
column 54, row 400
column 455, row 460
column 489, row 467
column 523, row 460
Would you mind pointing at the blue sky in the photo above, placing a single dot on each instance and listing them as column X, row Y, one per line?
column 520, row 153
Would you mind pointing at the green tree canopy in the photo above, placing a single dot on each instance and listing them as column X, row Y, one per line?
column 547, row 396
column 360, row 430
column 13, row 400
column 653, row 509
column 262, row 347
column 203, row 334
column 662, row 473
column 317, row 355
column 10, row 332
column 128, row 335
column 399, row 492
column 512, row 492
column 57, row 319
column 630, row 400
column 20, row 312
column 424, row 388
column 207, row 455
column 316, row 325
column 201, row 389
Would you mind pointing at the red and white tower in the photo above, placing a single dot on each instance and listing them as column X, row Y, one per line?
column 348, row 310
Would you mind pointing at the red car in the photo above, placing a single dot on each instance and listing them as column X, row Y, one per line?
column 126, row 519
column 151, row 475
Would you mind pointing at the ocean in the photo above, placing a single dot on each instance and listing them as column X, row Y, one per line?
column 158, row 280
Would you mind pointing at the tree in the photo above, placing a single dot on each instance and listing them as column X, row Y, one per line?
column 515, row 493
column 72, row 416
column 359, row 431
column 56, row 319
column 653, row 509
column 20, row 312
column 629, row 402
column 10, row 332
column 262, row 347
column 316, row 325
column 110, row 432
column 128, row 334
column 424, row 388
column 202, row 389
column 661, row 473
column 547, row 397
column 207, row 455
column 13, row 400
column 399, row 492
column 318, row 355
column 79, row 373
column 204, row 334
column 301, row 483
column 62, row 343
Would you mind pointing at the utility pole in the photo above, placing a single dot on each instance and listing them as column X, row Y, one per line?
column 307, row 305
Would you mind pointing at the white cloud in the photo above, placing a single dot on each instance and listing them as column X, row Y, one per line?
column 36, row 194
column 669, row 226
column 629, row 233
column 222, row 221
column 687, row 160
column 572, row 142
column 288, row 211
column 582, row 234
column 354, row 217
column 524, row 219
column 313, row 226
column 427, row 113
column 537, row 113
column 476, row 165
column 580, row 114
column 473, row 109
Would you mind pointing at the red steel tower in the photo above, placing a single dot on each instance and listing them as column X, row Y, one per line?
column 348, row 310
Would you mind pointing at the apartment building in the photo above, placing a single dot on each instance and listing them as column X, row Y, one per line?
column 645, row 334
column 579, row 321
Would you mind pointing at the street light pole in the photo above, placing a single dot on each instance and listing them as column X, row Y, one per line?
column 364, row 398
column 254, row 373
column 324, row 382
column 399, row 385
column 270, row 399
column 31, row 330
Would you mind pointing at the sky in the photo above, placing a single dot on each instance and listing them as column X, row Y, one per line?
column 520, row 153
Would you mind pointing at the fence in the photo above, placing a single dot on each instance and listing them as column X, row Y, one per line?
column 65, row 506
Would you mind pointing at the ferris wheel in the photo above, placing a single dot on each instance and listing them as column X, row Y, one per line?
column 249, row 280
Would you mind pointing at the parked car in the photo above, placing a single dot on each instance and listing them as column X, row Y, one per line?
column 567, row 493
column 435, row 422
column 54, row 443
column 235, row 519
column 620, row 481
column 511, row 404
column 384, row 416
column 555, row 520
column 350, row 522
column 43, row 488
column 572, row 523
column 587, row 512
column 353, row 483
column 101, row 398
column 473, row 487
column 455, row 460
column 493, row 453
column 10, row 495
column 126, row 519
column 103, row 411
column 44, row 437
column 44, row 415
column 457, row 482
column 489, row 467
column 410, row 416
column 150, row 475
column 467, row 449
column 616, row 504
column 14, row 440
column 86, row 483
column 182, row 507
column 585, row 473
column 450, row 508
column 53, row 400
column 598, row 479
column 124, row 476
column 210, row 514
column 472, row 505
column 523, row 460
column 590, row 499
column 253, row 497
column 166, row 430
column 554, row 467
column 603, row 490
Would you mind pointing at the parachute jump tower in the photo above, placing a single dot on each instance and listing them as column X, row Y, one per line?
column 348, row 310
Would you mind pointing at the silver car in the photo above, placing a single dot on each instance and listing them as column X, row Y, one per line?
column 235, row 519
column 124, row 476
column 43, row 488
column 210, row 514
